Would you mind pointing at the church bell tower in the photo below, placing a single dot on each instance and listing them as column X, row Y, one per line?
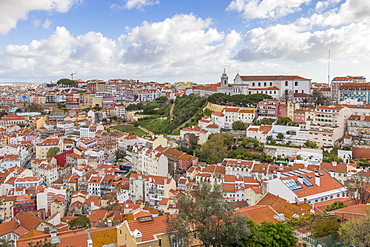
column 224, row 79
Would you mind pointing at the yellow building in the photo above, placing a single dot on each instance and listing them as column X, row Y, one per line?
column 145, row 231
column 43, row 147
column 91, row 100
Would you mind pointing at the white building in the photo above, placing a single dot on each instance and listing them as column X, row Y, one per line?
column 276, row 86
column 306, row 186
column 259, row 132
column 67, row 126
column 120, row 111
column 149, row 162
column 150, row 189
column 90, row 130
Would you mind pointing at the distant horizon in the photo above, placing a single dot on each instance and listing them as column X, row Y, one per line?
column 171, row 41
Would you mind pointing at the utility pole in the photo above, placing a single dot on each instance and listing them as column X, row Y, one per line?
column 72, row 74
column 329, row 68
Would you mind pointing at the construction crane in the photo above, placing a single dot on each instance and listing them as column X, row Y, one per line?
column 72, row 74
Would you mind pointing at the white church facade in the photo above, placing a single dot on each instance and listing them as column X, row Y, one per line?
column 276, row 86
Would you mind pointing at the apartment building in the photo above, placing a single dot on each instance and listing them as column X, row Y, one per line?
column 268, row 108
column 337, row 82
column 329, row 124
column 149, row 162
column 359, row 91
column 359, row 126
column 150, row 189
column 306, row 186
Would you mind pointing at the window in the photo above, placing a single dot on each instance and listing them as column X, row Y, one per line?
column 296, row 83
column 265, row 84
column 270, row 84
column 259, row 84
column 296, row 91
column 286, row 83
column 253, row 84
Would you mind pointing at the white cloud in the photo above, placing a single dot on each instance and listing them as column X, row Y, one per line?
column 135, row 4
column 182, row 46
column 323, row 5
column 351, row 11
column 11, row 11
column 47, row 23
column 345, row 29
column 266, row 9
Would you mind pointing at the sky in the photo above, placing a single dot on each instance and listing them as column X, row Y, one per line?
column 182, row 40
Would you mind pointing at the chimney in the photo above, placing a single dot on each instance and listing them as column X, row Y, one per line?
column 334, row 163
column 300, row 179
column 317, row 180
column 278, row 174
column 331, row 172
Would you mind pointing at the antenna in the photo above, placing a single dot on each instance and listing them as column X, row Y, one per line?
column 329, row 68
column 72, row 74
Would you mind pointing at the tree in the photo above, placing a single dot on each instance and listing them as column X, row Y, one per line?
column 310, row 144
column 79, row 222
column 214, row 150
column 358, row 185
column 4, row 243
column 67, row 82
column 204, row 215
column 318, row 98
column 238, row 125
column 356, row 232
column 287, row 97
column 335, row 205
column 284, row 121
column 280, row 136
column 52, row 152
column 161, row 99
column 323, row 225
column 269, row 234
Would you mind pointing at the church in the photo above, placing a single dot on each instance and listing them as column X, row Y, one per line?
column 276, row 86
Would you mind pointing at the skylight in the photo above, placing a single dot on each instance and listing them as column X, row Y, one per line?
column 307, row 182
column 292, row 184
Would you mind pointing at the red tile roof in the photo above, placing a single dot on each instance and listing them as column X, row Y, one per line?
column 259, row 213
column 150, row 228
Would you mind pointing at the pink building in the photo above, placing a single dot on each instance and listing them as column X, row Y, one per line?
column 268, row 108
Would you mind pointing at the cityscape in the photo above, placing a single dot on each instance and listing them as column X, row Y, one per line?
column 159, row 123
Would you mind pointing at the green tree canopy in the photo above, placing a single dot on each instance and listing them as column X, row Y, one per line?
column 280, row 136
column 284, row 121
column 214, row 150
column 323, row 225
column 356, row 232
column 79, row 222
column 269, row 234
column 4, row 243
column 239, row 99
column 52, row 152
column 238, row 125
column 205, row 215
column 161, row 99
column 310, row 144
column 67, row 82
column 335, row 205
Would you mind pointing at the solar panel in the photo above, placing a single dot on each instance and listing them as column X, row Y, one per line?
column 306, row 182
column 292, row 184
